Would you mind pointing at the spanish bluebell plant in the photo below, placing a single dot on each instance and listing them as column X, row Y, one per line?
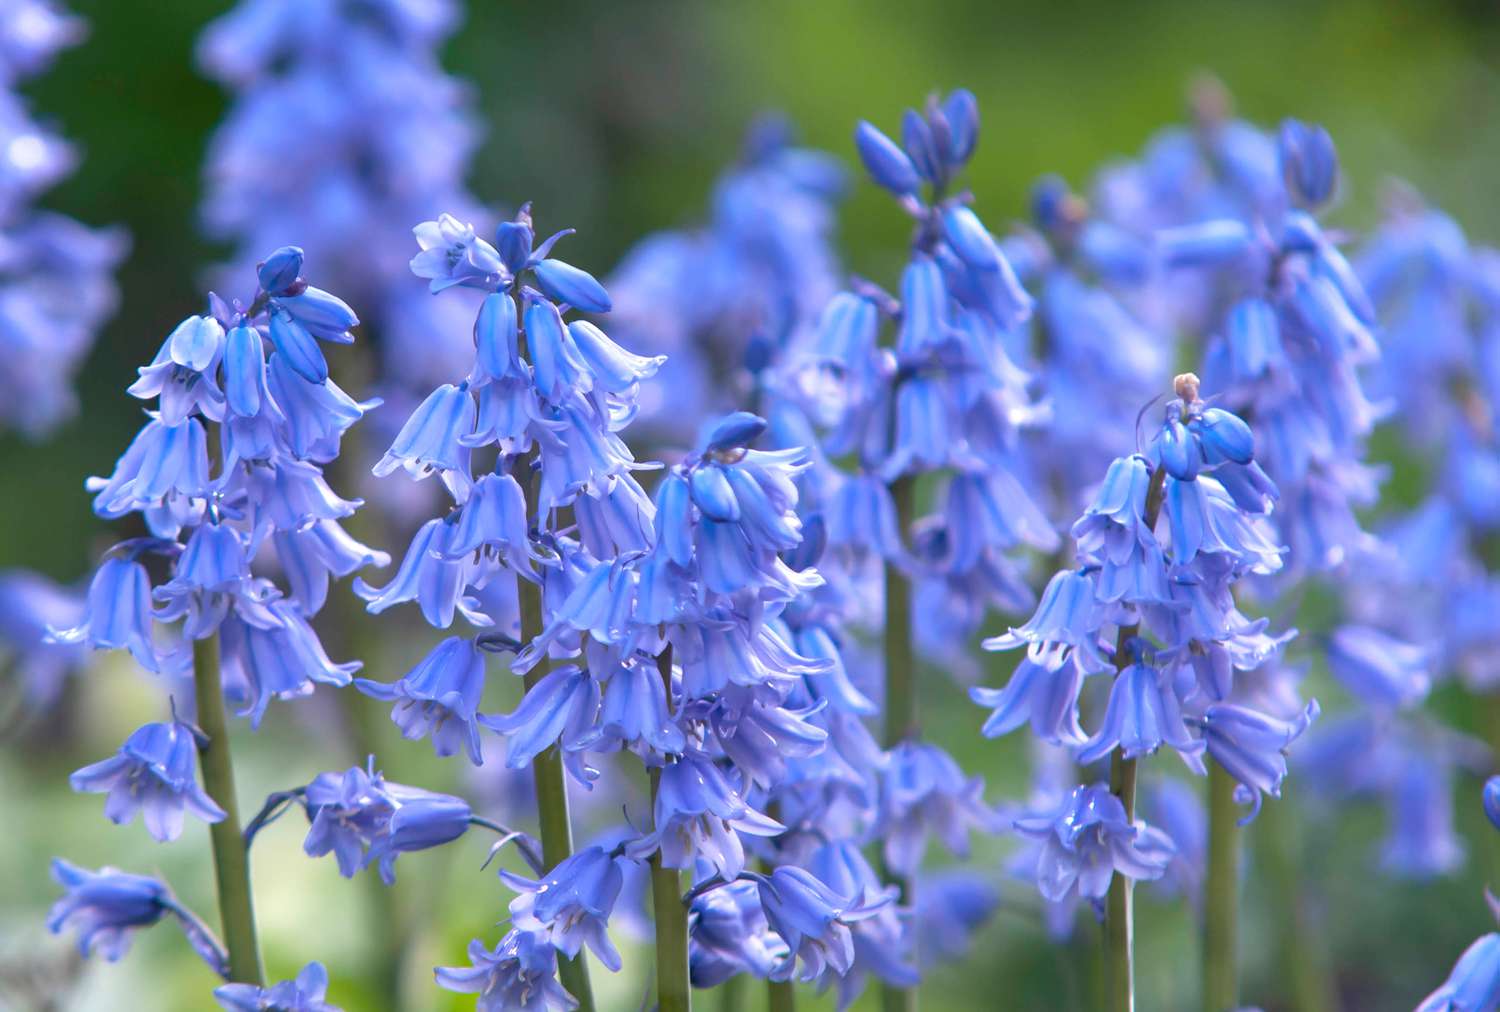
column 942, row 400
column 226, row 473
column 1159, row 551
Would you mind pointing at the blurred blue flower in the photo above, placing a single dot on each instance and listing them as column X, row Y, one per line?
column 520, row 975
column 306, row 993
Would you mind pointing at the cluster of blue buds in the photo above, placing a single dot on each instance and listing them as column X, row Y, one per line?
column 1168, row 535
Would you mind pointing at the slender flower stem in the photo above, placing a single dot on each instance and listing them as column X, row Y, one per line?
column 900, row 690
column 1221, row 906
column 781, row 995
column 732, row 994
column 1119, row 910
column 231, row 856
column 552, row 796
column 673, row 985
column 1303, row 949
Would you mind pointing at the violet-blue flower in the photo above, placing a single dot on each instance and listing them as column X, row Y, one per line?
column 155, row 773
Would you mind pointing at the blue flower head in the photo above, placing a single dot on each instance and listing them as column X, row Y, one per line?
column 155, row 772
column 572, row 904
column 439, row 697
column 106, row 908
column 1088, row 840
column 520, row 974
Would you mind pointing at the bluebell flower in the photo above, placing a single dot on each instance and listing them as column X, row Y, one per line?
column 106, row 907
column 887, row 164
column 572, row 904
column 440, row 697
column 520, row 975
column 700, row 814
column 1143, row 714
column 561, row 706
column 1474, row 983
column 1067, row 624
column 281, row 660
column 154, row 772
column 729, row 935
column 1308, row 162
column 118, row 614
column 1251, row 747
column 311, row 556
column 306, row 993
column 1176, row 808
column 1047, row 697
column 882, row 935
column 813, row 920
column 429, row 576
column 952, row 906
column 431, row 440
column 922, row 790
column 1088, row 840
column 634, row 710
column 357, row 816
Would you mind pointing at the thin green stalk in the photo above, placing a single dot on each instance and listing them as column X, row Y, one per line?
column 781, row 996
column 673, row 985
column 1119, row 909
column 1119, row 912
column 900, row 692
column 732, row 994
column 1222, row 896
column 552, row 795
column 231, row 859
column 1303, row 949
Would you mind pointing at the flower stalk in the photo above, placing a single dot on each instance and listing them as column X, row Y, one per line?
column 1221, row 898
column 231, row 855
column 674, row 987
column 900, row 691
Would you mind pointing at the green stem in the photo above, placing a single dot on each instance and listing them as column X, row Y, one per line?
column 781, row 996
column 673, row 985
column 732, row 994
column 231, row 859
column 1119, row 910
column 1119, row 914
column 1303, row 947
column 900, row 692
column 1221, row 900
column 552, row 794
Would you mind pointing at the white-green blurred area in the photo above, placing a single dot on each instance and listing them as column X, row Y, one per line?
column 614, row 118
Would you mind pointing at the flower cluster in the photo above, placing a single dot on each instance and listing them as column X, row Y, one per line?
column 226, row 474
column 1168, row 535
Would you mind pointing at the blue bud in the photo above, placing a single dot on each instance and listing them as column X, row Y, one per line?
column 496, row 349
column 513, row 240
column 970, row 239
column 323, row 313
column 673, row 518
column 1207, row 244
column 886, row 163
column 565, row 283
column 279, row 271
column 1309, row 162
column 1224, row 436
column 301, row 350
column 1178, row 450
column 916, row 138
column 1492, row 800
column 713, row 495
column 244, row 370
column 961, row 110
column 733, row 431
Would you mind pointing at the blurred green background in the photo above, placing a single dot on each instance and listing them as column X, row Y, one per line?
column 615, row 118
